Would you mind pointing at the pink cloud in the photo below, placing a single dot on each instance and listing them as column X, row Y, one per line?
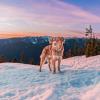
column 53, row 15
column 64, row 12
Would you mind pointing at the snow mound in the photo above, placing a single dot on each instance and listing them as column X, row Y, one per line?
column 79, row 80
column 83, row 62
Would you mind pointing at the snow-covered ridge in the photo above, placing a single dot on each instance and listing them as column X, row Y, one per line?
column 79, row 80
column 81, row 62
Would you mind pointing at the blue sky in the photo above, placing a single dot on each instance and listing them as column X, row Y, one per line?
column 90, row 5
column 49, row 16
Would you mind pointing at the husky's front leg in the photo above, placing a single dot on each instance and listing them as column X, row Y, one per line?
column 40, row 65
column 49, row 64
column 59, row 62
column 42, row 61
column 54, row 66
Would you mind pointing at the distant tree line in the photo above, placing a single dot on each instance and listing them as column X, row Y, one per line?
column 90, row 47
column 16, row 60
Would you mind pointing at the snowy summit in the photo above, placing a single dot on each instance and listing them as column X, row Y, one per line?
column 79, row 80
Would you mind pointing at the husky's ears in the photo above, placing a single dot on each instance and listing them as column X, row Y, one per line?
column 51, row 39
column 56, row 39
column 61, row 39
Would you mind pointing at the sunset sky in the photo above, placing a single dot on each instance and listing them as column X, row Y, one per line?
column 48, row 16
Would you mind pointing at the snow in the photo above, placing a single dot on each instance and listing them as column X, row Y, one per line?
column 83, row 62
column 79, row 80
column 92, row 94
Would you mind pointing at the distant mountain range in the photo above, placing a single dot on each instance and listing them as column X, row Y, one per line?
column 28, row 48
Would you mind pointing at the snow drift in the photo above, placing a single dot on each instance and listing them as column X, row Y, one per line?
column 79, row 80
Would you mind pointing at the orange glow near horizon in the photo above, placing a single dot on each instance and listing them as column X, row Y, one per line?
column 68, row 34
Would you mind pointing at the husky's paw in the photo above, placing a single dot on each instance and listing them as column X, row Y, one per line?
column 54, row 72
column 39, row 70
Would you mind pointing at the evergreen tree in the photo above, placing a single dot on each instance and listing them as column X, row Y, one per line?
column 91, row 47
column 2, row 59
column 68, row 54
column 22, row 57
column 14, row 60
column 31, row 61
column 98, row 47
column 75, row 48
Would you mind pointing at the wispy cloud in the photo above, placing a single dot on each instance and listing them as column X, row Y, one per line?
column 43, row 16
column 58, row 11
